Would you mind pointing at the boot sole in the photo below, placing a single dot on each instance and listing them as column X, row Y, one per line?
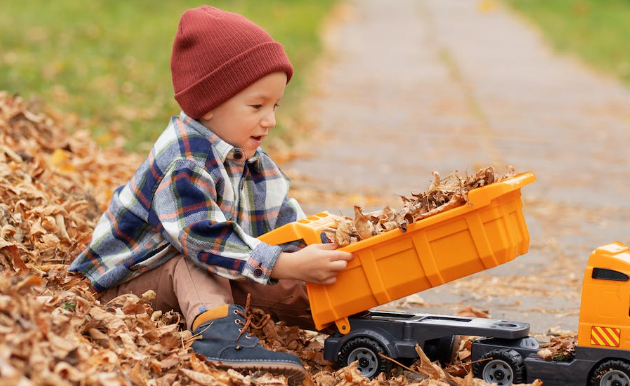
column 294, row 373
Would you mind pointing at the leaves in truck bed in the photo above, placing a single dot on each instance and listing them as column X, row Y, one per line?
column 559, row 348
column 442, row 195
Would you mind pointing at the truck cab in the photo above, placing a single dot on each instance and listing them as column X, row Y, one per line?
column 601, row 356
column 605, row 307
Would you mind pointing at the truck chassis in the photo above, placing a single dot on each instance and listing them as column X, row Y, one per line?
column 506, row 354
column 395, row 335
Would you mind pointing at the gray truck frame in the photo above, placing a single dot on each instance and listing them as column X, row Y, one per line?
column 506, row 354
column 395, row 335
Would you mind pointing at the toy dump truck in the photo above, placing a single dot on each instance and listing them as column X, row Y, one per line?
column 602, row 355
column 507, row 354
column 487, row 231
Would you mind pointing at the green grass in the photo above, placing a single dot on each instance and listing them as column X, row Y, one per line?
column 597, row 31
column 108, row 61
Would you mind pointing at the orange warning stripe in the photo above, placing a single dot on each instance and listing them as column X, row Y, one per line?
column 605, row 336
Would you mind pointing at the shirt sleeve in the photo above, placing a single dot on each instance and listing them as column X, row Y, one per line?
column 186, row 209
column 290, row 210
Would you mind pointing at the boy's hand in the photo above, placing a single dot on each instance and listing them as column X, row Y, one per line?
column 316, row 263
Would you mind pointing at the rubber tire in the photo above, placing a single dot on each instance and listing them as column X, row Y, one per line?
column 442, row 349
column 448, row 349
column 368, row 349
column 507, row 357
column 609, row 367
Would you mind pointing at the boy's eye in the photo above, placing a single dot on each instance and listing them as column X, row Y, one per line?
column 258, row 107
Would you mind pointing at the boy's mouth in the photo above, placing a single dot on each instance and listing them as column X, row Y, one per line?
column 258, row 138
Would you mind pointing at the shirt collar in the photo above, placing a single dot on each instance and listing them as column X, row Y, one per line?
column 224, row 150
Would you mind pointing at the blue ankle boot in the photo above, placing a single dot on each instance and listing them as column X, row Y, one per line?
column 224, row 343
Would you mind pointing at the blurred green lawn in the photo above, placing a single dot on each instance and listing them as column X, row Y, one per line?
column 597, row 31
column 109, row 60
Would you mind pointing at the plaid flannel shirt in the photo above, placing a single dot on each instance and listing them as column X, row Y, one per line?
column 196, row 195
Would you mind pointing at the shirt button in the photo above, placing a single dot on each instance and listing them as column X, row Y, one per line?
column 238, row 154
column 258, row 272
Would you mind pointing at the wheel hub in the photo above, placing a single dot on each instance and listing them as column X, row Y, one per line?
column 499, row 372
column 367, row 361
column 615, row 378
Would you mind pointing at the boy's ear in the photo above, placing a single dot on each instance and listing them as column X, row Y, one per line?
column 207, row 116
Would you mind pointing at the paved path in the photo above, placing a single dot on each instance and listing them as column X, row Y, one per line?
column 412, row 86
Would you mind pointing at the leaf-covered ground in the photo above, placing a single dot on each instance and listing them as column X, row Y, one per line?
column 53, row 329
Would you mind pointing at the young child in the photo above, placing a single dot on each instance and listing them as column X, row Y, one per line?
column 186, row 224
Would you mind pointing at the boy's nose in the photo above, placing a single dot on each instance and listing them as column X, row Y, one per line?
column 269, row 120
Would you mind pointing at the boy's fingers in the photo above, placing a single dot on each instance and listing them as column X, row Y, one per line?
column 327, row 246
column 347, row 256
column 339, row 265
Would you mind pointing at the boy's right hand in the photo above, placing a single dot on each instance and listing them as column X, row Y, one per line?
column 316, row 263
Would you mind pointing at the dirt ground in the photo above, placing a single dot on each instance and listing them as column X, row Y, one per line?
column 407, row 87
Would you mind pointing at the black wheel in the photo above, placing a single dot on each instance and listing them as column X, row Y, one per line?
column 611, row 373
column 501, row 366
column 366, row 351
column 442, row 349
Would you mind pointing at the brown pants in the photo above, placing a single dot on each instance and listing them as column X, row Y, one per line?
column 182, row 286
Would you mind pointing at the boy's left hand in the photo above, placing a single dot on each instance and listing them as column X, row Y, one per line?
column 316, row 263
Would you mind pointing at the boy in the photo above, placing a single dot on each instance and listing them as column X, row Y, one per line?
column 186, row 224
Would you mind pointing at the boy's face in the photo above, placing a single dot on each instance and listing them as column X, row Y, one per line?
column 244, row 120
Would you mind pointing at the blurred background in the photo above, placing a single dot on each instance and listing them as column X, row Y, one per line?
column 106, row 63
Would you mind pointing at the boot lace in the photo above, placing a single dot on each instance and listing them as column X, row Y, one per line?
column 248, row 322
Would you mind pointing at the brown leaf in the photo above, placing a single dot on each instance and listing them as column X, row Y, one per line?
column 134, row 309
column 137, row 376
column 436, row 181
column 204, row 379
column 545, row 353
column 473, row 312
column 342, row 235
column 427, row 367
column 468, row 380
column 11, row 251
column 362, row 224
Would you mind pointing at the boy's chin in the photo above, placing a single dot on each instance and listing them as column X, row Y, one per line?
column 249, row 151
column 252, row 146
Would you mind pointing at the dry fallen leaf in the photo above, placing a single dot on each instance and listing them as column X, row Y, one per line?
column 427, row 367
column 343, row 234
column 473, row 312
column 365, row 228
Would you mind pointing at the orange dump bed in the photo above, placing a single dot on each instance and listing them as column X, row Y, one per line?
column 488, row 231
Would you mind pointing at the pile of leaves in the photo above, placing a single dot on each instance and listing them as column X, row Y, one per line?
column 559, row 348
column 442, row 195
column 53, row 329
column 53, row 186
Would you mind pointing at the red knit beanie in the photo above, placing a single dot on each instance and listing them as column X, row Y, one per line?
column 217, row 54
